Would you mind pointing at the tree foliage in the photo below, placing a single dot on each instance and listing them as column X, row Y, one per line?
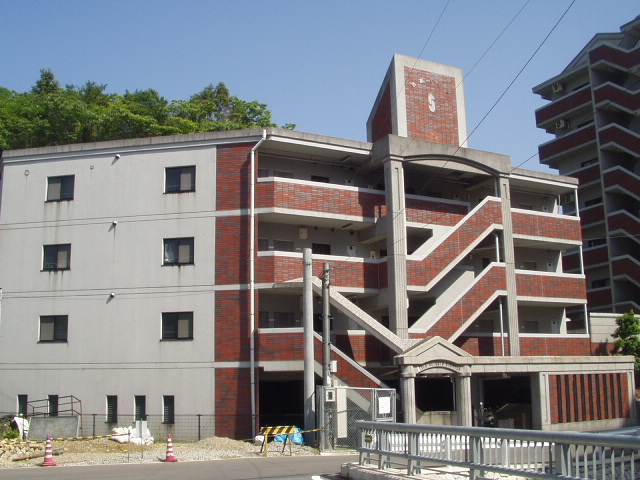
column 52, row 115
column 626, row 336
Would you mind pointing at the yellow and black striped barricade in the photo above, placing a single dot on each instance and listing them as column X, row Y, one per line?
column 274, row 432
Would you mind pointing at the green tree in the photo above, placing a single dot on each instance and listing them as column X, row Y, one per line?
column 626, row 335
column 51, row 115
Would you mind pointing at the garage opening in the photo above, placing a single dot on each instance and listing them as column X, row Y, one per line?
column 281, row 402
column 509, row 399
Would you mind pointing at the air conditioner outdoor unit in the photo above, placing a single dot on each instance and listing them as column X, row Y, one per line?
column 373, row 254
column 562, row 124
column 557, row 87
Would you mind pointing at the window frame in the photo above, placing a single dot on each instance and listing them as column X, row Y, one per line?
column 168, row 409
column 60, row 326
column 63, row 194
column 179, row 243
column 170, row 189
column 173, row 320
column 47, row 251
column 112, row 409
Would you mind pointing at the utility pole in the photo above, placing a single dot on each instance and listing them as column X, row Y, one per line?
column 309, row 361
column 326, row 327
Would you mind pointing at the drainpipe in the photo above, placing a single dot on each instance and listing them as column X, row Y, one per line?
column 252, row 276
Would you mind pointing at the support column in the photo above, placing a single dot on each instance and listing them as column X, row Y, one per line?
column 464, row 403
column 408, row 393
column 540, row 401
column 510, row 267
column 396, row 248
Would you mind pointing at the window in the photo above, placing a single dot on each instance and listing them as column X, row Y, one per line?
column 321, row 248
column 177, row 326
column 53, row 405
column 140, row 403
column 168, row 414
column 23, row 401
column 180, row 179
column 263, row 173
column 60, row 188
column 601, row 283
column 319, row 178
column 595, row 242
column 178, row 251
column 56, row 257
column 283, row 245
column 53, row 328
column 112, row 409
column 593, row 201
column 284, row 320
column 263, row 244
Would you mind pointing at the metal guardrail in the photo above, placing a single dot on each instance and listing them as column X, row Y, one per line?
column 528, row 453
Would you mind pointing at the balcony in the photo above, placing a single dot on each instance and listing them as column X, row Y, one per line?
column 615, row 138
column 551, row 287
column 573, row 141
column 564, row 229
column 610, row 96
column 279, row 267
column 606, row 56
column 626, row 267
column 624, row 222
column 563, row 107
column 588, row 174
column 621, row 180
column 276, row 195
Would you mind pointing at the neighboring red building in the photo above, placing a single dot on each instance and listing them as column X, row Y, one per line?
column 593, row 112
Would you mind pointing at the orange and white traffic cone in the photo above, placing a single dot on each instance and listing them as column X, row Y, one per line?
column 48, row 455
column 170, row 456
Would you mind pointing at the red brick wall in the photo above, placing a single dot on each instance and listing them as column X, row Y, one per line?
column 363, row 348
column 555, row 346
column 483, row 346
column 319, row 198
column 588, row 397
column 546, row 226
column 448, row 324
column 232, row 326
column 567, row 142
column 232, row 176
column 233, row 403
column 550, row 286
column 432, row 110
column 344, row 274
column 421, row 273
column 381, row 123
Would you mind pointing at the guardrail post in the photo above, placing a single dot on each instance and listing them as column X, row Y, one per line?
column 477, row 457
column 383, row 448
column 413, row 465
column 199, row 417
column 93, row 430
column 562, row 462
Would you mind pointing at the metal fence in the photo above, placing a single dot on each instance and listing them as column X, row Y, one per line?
column 523, row 453
column 338, row 408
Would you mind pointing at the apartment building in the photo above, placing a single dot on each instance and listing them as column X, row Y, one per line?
column 164, row 275
column 592, row 110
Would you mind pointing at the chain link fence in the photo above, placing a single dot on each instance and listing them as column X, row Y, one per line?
column 338, row 409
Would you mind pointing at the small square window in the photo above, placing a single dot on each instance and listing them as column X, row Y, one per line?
column 56, row 257
column 177, row 326
column 112, row 409
column 168, row 409
column 178, row 251
column 180, row 179
column 60, row 188
column 53, row 328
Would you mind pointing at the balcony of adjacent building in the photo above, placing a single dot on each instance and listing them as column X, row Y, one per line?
column 612, row 59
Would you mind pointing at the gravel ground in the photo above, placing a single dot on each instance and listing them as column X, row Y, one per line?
column 107, row 452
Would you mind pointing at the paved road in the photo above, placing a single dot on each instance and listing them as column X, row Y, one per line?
column 292, row 468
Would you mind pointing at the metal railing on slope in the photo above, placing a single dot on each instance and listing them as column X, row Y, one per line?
column 529, row 453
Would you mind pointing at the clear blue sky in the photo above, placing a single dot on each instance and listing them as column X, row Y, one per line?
column 318, row 64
